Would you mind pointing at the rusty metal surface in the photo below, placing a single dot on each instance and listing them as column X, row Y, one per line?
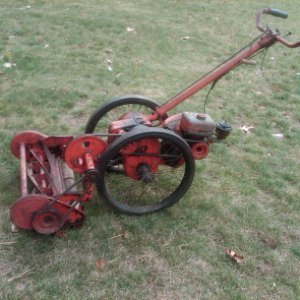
column 24, row 189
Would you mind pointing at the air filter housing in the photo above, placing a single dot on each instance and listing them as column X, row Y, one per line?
column 223, row 129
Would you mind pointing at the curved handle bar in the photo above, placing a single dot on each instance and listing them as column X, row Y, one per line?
column 277, row 13
column 286, row 43
column 269, row 11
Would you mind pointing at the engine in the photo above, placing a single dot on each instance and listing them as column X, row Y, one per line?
column 197, row 129
column 191, row 126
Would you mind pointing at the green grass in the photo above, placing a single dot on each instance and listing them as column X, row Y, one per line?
column 245, row 194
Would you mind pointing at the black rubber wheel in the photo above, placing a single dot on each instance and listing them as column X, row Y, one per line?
column 162, row 180
column 112, row 110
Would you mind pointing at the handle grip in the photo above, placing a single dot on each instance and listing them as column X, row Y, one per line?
column 277, row 13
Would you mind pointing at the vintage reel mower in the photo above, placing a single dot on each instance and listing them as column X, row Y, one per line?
column 139, row 159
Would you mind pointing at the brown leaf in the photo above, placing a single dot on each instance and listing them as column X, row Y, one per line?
column 100, row 263
column 60, row 233
column 237, row 258
column 287, row 114
column 221, row 106
column 125, row 234
column 247, row 129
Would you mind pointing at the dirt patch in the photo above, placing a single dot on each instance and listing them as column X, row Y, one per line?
column 265, row 268
column 78, row 116
column 268, row 241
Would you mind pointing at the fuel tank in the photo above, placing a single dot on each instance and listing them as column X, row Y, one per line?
column 189, row 124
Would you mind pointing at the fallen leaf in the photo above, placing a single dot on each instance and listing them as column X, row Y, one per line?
column 286, row 114
column 247, row 129
column 125, row 234
column 278, row 136
column 26, row 7
column 221, row 106
column 108, row 51
column 275, row 88
column 109, row 64
column 130, row 29
column 60, row 233
column 100, row 263
column 14, row 228
column 7, row 65
column 237, row 258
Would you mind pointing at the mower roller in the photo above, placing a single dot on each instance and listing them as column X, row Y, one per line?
column 139, row 159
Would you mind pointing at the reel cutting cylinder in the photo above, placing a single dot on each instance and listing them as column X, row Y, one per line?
column 47, row 164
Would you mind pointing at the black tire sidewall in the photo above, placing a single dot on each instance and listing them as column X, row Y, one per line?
column 135, row 134
column 116, row 102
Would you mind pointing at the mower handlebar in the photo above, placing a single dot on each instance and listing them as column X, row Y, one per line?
column 269, row 11
column 277, row 13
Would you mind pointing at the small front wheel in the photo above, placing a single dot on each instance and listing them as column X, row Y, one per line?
column 145, row 170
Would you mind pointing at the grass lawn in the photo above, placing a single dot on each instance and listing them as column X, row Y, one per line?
column 69, row 57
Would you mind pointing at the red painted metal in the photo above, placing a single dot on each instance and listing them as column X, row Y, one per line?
column 286, row 43
column 146, row 153
column 128, row 149
column 200, row 150
column 53, row 204
column 89, row 162
column 197, row 125
column 57, row 141
column 125, row 123
column 173, row 123
column 76, row 149
column 24, row 208
column 28, row 137
column 47, row 222
column 49, row 161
